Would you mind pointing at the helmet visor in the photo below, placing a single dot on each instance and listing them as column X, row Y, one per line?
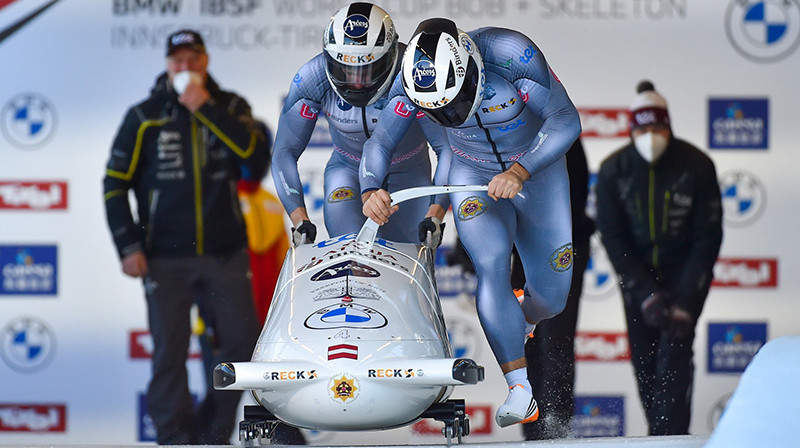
column 357, row 84
column 460, row 109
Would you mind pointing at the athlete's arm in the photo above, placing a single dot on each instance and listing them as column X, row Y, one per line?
column 296, row 124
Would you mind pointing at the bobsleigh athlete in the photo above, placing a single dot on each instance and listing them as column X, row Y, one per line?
column 360, row 59
column 509, row 122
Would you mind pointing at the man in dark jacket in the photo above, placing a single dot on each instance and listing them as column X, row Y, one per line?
column 660, row 219
column 181, row 151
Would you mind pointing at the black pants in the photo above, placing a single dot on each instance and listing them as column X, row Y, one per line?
column 550, row 355
column 664, row 370
column 221, row 287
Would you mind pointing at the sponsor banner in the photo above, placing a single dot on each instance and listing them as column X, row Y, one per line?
column 599, row 281
column 745, row 273
column 763, row 31
column 27, row 120
column 28, row 344
column 29, row 417
column 732, row 345
column 33, row 195
column 596, row 346
column 605, row 122
column 744, row 198
column 738, row 123
column 599, row 416
column 29, row 270
column 481, row 419
column 141, row 345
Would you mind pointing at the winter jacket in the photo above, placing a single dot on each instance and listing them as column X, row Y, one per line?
column 183, row 169
column 661, row 223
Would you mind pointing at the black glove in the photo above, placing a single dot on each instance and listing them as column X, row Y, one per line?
column 655, row 310
column 681, row 323
column 434, row 227
column 305, row 233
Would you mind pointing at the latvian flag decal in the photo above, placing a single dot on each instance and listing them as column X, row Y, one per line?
column 342, row 351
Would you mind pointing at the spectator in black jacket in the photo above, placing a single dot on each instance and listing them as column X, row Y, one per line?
column 181, row 151
column 660, row 220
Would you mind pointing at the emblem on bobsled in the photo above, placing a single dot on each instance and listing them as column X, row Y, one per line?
column 344, row 388
column 346, row 268
column 345, row 315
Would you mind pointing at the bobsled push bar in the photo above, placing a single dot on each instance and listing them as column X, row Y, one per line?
column 366, row 236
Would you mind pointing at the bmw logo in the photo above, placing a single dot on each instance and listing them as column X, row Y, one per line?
column 424, row 73
column 599, row 280
column 467, row 44
column 28, row 120
column 356, row 26
column 743, row 198
column 28, row 344
column 763, row 30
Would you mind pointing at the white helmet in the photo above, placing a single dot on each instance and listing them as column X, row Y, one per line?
column 443, row 72
column 360, row 47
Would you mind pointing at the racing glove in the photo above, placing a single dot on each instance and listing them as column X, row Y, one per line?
column 305, row 233
column 681, row 323
column 655, row 310
column 431, row 230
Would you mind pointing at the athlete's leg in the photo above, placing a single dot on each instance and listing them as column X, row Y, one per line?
column 544, row 241
column 342, row 206
column 485, row 227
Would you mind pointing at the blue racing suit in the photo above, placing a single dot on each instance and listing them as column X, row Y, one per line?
column 525, row 117
column 311, row 95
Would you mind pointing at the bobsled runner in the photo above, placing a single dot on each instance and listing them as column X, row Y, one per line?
column 354, row 340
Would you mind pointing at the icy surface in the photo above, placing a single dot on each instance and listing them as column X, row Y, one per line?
column 763, row 411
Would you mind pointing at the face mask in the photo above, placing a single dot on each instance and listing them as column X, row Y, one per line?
column 182, row 79
column 650, row 145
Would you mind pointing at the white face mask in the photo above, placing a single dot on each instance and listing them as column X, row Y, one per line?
column 650, row 145
column 182, row 79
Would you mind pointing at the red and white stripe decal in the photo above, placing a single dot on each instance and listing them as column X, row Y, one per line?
column 342, row 351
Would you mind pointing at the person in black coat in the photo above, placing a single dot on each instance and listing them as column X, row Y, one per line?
column 660, row 219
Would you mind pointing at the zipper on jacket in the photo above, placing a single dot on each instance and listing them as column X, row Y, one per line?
column 665, row 211
column 491, row 142
column 651, row 196
column 364, row 121
column 198, row 186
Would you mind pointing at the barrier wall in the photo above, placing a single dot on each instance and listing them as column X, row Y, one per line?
column 74, row 342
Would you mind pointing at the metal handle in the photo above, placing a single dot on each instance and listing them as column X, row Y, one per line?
column 366, row 236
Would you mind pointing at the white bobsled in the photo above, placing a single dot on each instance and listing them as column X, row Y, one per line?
column 354, row 340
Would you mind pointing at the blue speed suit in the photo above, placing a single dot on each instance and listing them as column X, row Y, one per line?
column 311, row 95
column 525, row 117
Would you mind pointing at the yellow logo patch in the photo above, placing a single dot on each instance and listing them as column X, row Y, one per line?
column 342, row 194
column 472, row 207
column 344, row 388
column 561, row 258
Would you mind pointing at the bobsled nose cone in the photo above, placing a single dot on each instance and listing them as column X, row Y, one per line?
column 224, row 375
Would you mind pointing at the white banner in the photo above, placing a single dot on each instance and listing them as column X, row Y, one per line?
column 73, row 365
